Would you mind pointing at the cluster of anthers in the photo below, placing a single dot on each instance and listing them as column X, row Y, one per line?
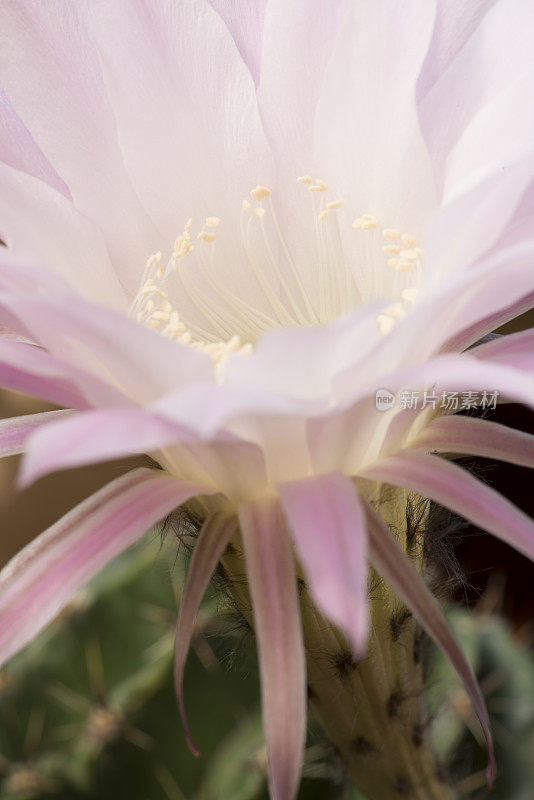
column 153, row 308
column 401, row 253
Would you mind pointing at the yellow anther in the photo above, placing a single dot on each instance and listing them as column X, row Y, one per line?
column 160, row 272
column 385, row 322
column 305, row 179
column 409, row 294
column 245, row 205
column 419, row 252
column 369, row 224
column 391, row 233
column 322, row 215
column 319, row 186
column 357, row 223
column 411, row 255
column 408, row 239
column 149, row 305
column 188, row 224
column 334, row 204
column 179, row 243
column 393, row 262
column 212, row 222
column 260, row 192
column 206, row 237
column 259, row 212
column 369, row 218
column 391, row 248
column 154, row 259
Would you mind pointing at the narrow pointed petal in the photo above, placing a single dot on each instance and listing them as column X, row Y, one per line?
column 210, row 546
column 453, row 487
column 40, row 580
column 102, row 342
column 513, row 350
column 30, row 370
column 392, row 563
column 15, row 431
column 96, row 435
column 328, row 522
column 476, row 437
column 271, row 575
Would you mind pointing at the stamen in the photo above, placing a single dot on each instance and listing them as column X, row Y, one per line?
column 342, row 276
column 319, row 186
column 260, row 192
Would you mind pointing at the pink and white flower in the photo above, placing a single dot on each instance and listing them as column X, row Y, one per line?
column 227, row 226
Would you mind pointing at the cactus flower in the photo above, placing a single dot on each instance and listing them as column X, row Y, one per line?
column 226, row 231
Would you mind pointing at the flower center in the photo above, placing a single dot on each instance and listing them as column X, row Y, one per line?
column 305, row 273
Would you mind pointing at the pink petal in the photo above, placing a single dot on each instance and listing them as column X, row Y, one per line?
column 28, row 369
column 210, row 546
column 272, row 583
column 18, row 149
column 298, row 40
column 452, row 314
column 15, row 431
column 393, row 564
column 96, row 435
column 478, row 217
column 477, row 437
column 480, row 73
column 361, row 94
column 453, row 26
column 142, row 364
column 39, row 222
column 43, row 577
column 297, row 374
column 328, row 525
column 445, row 373
column 52, row 74
column 209, row 140
column 454, row 488
column 245, row 23
column 236, row 467
column 514, row 350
